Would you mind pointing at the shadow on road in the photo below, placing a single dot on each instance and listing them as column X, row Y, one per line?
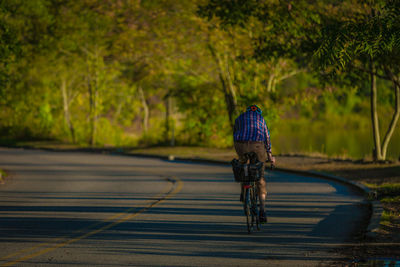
column 308, row 217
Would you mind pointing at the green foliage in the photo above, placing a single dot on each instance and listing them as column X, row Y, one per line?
column 204, row 122
column 345, row 42
column 371, row 32
column 387, row 218
column 45, row 117
column 391, row 199
column 9, row 46
column 339, row 102
column 86, row 71
column 236, row 12
column 388, row 190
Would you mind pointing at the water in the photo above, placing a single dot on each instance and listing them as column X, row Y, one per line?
column 333, row 138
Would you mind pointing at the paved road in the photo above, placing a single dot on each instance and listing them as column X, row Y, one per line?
column 83, row 209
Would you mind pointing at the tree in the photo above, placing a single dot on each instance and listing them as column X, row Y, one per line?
column 339, row 39
column 247, row 73
column 368, row 39
column 25, row 30
column 9, row 44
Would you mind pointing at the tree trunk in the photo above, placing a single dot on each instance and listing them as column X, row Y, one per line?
column 396, row 114
column 67, row 116
column 93, row 112
column 145, row 109
column 169, row 125
column 94, row 62
column 167, row 114
column 377, row 154
column 227, row 85
column 270, row 83
column 232, row 93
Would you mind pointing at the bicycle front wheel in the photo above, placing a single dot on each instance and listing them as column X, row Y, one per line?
column 247, row 210
column 254, row 207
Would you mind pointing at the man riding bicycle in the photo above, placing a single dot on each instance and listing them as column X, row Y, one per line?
column 251, row 134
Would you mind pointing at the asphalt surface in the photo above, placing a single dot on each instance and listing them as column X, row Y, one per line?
column 84, row 209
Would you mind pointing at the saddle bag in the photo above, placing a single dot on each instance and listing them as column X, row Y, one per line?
column 247, row 172
column 255, row 170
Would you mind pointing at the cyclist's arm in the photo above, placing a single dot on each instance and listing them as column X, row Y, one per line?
column 267, row 141
column 268, row 145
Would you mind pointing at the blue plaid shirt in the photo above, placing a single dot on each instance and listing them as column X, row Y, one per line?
column 251, row 126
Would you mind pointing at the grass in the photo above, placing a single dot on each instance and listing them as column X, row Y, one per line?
column 388, row 217
column 3, row 175
column 389, row 195
column 390, row 199
column 49, row 145
column 187, row 152
column 386, row 192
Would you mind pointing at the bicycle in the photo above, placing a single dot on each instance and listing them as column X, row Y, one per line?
column 250, row 206
column 248, row 175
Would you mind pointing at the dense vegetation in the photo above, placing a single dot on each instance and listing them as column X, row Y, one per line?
column 131, row 72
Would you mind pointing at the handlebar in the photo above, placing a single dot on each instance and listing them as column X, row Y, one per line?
column 272, row 166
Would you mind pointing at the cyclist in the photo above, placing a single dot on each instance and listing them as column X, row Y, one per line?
column 251, row 134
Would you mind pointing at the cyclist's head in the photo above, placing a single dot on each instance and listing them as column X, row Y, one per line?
column 254, row 108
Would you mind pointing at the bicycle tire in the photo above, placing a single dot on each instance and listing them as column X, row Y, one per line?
column 247, row 209
column 256, row 210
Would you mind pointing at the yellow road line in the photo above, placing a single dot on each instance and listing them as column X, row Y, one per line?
column 178, row 187
column 83, row 229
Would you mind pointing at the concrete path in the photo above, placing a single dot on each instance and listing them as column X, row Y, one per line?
column 83, row 209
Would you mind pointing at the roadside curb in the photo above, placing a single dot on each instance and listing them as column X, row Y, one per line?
column 370, row 195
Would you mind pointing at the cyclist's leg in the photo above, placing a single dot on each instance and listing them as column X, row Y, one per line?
column 241, row 150
column 262, row 192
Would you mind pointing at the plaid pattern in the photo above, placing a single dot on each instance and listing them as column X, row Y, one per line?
column 251, row 126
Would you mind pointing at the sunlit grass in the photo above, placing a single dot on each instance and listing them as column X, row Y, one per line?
column 390, row 199
column 51, row 145
column 389, row 218
column 386, row 190
column 188, row 152
column 3, row 175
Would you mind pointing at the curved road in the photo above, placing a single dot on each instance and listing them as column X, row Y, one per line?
column 83, row 209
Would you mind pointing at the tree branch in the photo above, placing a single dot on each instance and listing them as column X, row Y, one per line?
column 369, row 72
column 392, row 77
